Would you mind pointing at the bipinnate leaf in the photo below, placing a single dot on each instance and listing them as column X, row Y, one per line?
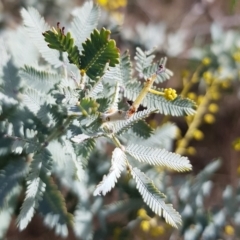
column 143, row 60
column 33, row 100
column 142, row 129
column 35, row 26
column 155, row 199
column 159, row 157
column 10, row 176
column 57, row 39
column 40, row 165
column 117, row 166
column 178, row 107
column 149, row 71
column 84, row 21
column 121, row 73
column 40, row 80
column 54, row 209
column 98, row 50
column 121, row 126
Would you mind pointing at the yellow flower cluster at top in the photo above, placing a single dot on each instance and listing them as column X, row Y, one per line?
column 112, row 5
column 170, row 94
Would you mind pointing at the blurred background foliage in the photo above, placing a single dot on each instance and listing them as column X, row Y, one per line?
column 201, row 39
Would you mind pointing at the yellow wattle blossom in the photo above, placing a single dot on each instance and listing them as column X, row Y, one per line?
column 142, row 213
column 82, row 72
column 229, row 230
column 225, row 84
column 206, row 61
column 170, row 94
column 208, row 77
column 145, row 225
column 199, row 99
column 192, row 96
column 209, row 118
column 213, row 108
column 198, row 135
column 157, row 231
column 215, row 95
column 236, row 56
column 236, row 144
column 191, row 151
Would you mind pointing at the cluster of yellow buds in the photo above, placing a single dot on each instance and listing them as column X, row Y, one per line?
column 170, row 94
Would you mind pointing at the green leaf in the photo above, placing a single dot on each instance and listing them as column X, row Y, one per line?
column 10, row 176
column 155, row 199
column 88, row 106
column 159, row 157
column 142, row 129
column 53, row 207
column 84, row 21
column 35, row 26
column 98, row 51
column 57, row 39
column 7, row 213
column 85, row 149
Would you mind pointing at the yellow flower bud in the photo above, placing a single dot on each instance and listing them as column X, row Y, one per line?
column 236, row 144
column 157, row 231
column 225, row 84
column 191, row 151
column 192, row 95
column 209, row 118
column 229, row 230
column 198, row 135
column 236, row 56
column 142, row 213
column 215, row 95
column 213, row 108
column 199, row 100
column 208, row 77
column 206, row 61
column 145, row 225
